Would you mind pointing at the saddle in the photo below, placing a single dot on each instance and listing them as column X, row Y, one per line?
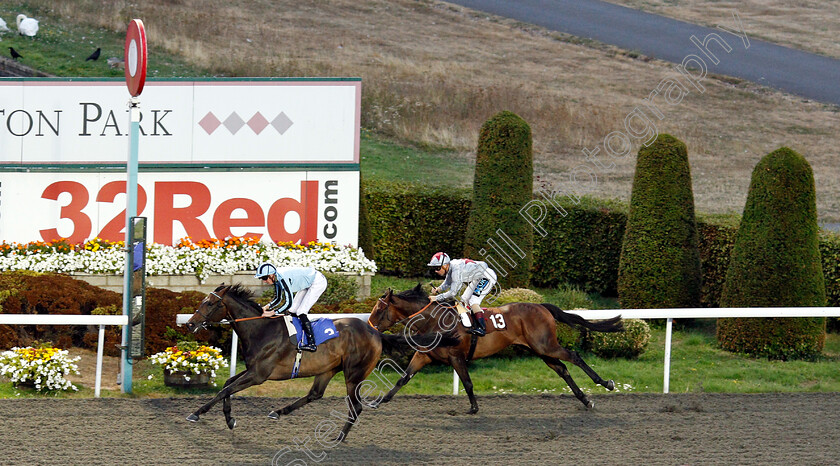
column 323, row 329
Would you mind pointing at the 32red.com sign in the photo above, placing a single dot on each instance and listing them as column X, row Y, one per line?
column 277, row 206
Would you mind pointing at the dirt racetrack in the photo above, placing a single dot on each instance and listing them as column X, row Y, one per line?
column 509, row 429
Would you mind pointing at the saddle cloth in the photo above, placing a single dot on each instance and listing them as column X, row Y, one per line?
column 323, row 329
column 492, row 322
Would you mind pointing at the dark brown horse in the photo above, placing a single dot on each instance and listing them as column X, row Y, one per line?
column 531, row 325
column 269, row 353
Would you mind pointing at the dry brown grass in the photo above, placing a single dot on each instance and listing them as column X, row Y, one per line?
column 433, row 73
column 806, row 25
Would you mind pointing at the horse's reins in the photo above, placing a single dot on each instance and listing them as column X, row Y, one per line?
column 405, row 318
column 227, row 312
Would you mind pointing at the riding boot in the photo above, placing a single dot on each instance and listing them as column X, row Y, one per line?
column 480, row 329
column 307, row 330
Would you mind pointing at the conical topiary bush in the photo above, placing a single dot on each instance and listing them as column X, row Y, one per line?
column 660, row 256
column 776, row 262
column 503, row 184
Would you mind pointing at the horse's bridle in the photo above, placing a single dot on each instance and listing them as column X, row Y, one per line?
column 205, row 321
column 375, row 310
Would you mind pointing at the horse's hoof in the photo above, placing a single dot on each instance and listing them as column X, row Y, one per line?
column 590, row 404
column 192, row 418
column 231, row 423
column 610, row 385
column 273, row 415
column 473, row 410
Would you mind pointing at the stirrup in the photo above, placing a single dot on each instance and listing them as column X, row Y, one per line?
column 310, row 347
column 474, row 330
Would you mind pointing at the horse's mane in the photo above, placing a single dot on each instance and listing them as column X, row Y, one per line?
column 241, row 294
column 414, row 294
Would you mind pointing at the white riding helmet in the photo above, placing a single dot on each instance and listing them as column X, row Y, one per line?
column 439, row 260
column 264, row 270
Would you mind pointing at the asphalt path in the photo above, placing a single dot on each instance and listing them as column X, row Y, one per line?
column 694, row 47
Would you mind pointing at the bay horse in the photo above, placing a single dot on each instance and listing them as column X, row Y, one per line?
column 269, row 353
column 527, row 324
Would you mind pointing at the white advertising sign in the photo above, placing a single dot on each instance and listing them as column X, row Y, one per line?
column 296, row 206
column 184, row 122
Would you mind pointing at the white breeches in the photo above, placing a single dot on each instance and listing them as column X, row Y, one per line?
column 305, row 299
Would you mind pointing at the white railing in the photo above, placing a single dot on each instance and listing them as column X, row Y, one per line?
column 599, row 314
column 64, row 319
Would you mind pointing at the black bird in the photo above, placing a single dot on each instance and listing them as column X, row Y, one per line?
column 15, row 53
column 95, row 55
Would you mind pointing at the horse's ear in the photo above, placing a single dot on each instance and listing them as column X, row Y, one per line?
column 388, row 294
column 419, row 287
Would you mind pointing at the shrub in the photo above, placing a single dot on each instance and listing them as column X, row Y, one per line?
column 340, row 288
column 830, row 254
column 776, row 262
column 25, row 292
column 571, row 297
column 162, row 308
column 410, row 223
column 660, row 258
column 365, row 233
column 630, row 343
column 716, row 243
column 503, row 184
column 517, row 295
column 582, row 245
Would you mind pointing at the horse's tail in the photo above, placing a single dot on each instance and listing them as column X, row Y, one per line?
column 425, row 342
column 609, row 325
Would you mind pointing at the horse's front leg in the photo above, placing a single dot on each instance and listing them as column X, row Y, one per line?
column 418, row 361
column 460, row 365
column 231, row 422
column 242, row 381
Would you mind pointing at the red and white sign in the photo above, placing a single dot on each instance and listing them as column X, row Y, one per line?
column 278, row 206
column 135, row 57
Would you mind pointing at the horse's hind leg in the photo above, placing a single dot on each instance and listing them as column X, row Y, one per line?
column 418, row 361
column 460, row 365
column 555, row 351
column 315, row 393
column 578, row 361
column 563, row 372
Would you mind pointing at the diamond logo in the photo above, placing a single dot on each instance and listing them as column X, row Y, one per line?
column 234, row 123
column 281, row 123
column 257, row 123
column 209, row 123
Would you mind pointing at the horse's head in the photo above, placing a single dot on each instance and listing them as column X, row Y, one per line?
column 212, row 309
column 392, row 308
column 384, row 315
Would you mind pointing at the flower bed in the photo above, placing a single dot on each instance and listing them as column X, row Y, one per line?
column 42, row 368
column 202, row 258
column 190, row 358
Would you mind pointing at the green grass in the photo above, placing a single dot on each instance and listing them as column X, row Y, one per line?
column 390, row 161
column 60, row 48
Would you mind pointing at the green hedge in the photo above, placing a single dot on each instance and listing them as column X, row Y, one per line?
column 409, row 223
column 581, row 248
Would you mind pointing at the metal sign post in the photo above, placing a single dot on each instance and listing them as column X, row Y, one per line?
column 135, row 77
column 137, row 297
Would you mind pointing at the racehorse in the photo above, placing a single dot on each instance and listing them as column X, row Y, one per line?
column 269, row 353
column 527, row 324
